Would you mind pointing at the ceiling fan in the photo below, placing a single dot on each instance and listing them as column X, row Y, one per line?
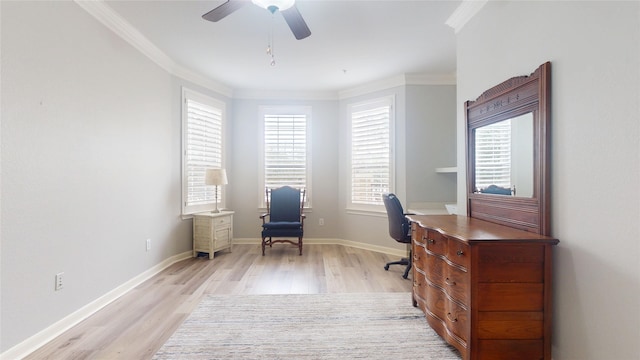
column 287, row 8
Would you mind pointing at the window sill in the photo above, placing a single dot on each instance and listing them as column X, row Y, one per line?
column 367, row 212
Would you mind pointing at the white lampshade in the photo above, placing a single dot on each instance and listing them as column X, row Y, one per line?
column 215, row 177
column 279, row 4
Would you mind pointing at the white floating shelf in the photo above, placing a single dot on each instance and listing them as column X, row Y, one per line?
column 453, row 169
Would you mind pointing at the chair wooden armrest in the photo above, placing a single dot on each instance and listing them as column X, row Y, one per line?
column 263, row 217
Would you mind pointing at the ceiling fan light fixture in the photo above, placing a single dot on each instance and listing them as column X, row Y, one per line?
column 278, row 4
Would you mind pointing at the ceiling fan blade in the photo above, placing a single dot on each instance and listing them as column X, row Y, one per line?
column 296, row 23
column 223, row 10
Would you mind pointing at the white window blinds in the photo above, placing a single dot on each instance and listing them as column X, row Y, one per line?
column 493, row 155
column 203, row 148
column 285, row 150
column 370, row 152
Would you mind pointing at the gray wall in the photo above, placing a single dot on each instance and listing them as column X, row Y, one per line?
column 594, row 48
column 91, row 164
column 430, row 142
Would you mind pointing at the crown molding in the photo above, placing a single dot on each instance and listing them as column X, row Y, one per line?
column 429, row 79
column 205, row 82
column 109, row 18
column 262, row 94
column 396, row 81
column 384, row 84
column 467, row 10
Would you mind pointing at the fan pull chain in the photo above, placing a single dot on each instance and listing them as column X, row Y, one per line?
column 270, row 42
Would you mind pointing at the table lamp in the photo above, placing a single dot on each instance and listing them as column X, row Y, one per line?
column 215, row 177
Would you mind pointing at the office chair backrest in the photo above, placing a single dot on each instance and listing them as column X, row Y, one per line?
column 286, row 204
column 399, row 228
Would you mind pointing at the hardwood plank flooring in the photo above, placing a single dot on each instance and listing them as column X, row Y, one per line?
column 137, row 324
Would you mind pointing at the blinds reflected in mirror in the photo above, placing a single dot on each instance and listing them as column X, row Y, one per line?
column 493, row 155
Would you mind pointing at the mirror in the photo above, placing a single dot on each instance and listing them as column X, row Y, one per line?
column 508, row 154
column 504, row 157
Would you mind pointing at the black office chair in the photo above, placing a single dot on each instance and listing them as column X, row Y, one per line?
column 399, row 229
column 284, row 209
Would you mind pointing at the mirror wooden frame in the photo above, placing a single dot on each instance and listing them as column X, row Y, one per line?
column 506, row 100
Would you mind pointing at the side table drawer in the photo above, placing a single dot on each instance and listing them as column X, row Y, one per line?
column 222, row 220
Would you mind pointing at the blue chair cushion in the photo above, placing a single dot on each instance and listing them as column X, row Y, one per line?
column 274, row 225
column 497, row 190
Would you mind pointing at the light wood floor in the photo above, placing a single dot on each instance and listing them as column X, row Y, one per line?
column 136, row 325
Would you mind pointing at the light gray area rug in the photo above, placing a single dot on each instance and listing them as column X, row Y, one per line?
column 306, row 326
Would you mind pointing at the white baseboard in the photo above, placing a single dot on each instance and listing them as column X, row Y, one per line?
column 36, row 341
column 321, row 241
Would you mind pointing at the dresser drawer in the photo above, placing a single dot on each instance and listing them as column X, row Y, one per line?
column 417, row 234
column 458, row 252
column 420, row 286
column 436, row 242
column 456, row 283
column 436, row 300
column 419, row 250
column 435, row 270
column 457, row 318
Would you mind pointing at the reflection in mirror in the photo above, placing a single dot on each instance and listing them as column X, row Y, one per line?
column 504, row 157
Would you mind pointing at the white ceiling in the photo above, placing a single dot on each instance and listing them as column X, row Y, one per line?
column 352, row 42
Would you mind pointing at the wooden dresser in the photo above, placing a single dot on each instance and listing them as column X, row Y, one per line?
column 484, row 287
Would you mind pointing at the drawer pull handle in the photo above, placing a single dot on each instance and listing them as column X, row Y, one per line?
column 459, row 252
column 451, row 318
column 449, row 282
column 431, row 241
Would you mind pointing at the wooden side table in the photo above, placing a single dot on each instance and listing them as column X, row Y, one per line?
column 212, row 232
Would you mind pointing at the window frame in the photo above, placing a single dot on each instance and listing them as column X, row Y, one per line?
column 188, row 94
column 360, row 106
column 284, row 110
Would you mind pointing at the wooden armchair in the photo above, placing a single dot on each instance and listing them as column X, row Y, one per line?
column 285, row 217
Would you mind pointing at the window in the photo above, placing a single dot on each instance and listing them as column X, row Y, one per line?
column 371, row 153
column 286, row 155
column 202, row 148
column 493, row 155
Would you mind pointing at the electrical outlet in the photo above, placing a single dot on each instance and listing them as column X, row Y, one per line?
column 148, row 244
column 321, row 221
column 59, row 281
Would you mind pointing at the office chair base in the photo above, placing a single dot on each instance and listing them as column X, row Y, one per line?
column 403, row 261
